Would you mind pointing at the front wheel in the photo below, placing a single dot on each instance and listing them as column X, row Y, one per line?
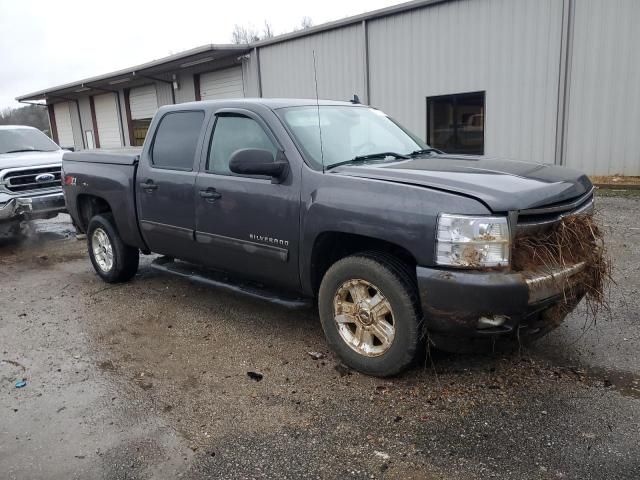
column 112, row 260
column 369, row 314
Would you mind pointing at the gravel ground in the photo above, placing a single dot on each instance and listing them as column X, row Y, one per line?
column 149, row 380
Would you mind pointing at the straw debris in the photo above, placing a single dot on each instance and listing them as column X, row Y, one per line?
column 574, row 239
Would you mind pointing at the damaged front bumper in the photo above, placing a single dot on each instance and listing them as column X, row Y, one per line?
column 18, row 208
column 488, row 304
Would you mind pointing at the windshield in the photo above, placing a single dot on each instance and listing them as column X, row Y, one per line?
column 347, row 133
column 25, row 140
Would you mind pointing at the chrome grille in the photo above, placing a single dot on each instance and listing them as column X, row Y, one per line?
column 29, row 179
column 540, row 218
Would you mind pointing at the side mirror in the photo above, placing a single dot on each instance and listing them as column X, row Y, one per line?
column 255, row 161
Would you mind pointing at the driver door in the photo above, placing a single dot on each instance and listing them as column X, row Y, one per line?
column 246, row 225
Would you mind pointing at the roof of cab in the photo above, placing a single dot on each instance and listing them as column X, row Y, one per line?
column 15, row 127
column 272, row 103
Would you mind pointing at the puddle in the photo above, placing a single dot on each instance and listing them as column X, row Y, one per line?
column 624, row 382
column 38, row 232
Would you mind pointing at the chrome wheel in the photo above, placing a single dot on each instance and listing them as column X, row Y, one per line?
column 102, row 249
column 364, row 317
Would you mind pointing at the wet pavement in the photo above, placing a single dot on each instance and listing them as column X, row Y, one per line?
column 149, row 380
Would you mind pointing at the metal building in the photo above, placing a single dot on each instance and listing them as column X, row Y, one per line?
column 554, row 81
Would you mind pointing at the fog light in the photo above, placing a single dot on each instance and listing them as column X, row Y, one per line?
column 492, row 322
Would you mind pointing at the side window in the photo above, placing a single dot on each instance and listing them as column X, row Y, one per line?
column 235, row 132
column 176, row 140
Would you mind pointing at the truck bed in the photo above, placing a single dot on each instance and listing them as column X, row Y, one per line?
column 104, row 176
column 120, row 156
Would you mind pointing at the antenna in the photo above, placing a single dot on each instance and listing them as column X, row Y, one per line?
column 315, row 77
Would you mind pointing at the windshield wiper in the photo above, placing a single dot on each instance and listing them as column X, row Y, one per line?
column 371, row 156
column 424, row 151
column 25, row 150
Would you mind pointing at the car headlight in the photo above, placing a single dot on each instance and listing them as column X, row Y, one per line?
column 467, row 241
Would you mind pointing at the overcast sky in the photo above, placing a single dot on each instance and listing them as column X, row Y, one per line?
column 45, row 43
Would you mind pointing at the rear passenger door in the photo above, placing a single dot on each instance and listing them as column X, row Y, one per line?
column 246, row 225
column 166, row 181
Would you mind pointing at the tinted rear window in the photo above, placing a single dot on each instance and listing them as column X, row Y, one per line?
column 176, row 140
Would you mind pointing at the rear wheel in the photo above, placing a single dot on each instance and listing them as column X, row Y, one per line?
column 112, row 260
column 369, row 313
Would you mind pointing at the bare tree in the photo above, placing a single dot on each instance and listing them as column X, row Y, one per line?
column 244, row 35
column 267, row 32
column 306, row 22
column 31, row 115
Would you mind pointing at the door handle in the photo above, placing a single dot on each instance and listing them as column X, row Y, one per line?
column 148, row 185
column 210, row 194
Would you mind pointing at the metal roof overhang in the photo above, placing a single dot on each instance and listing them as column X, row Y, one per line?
column 160, row 69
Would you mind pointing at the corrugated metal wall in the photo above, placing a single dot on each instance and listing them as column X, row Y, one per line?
column 508, row 48
column 75, row 122
column 85, row 116
column 603, row 123
column 511, row 49
column 287, row 68
column 163, row 91
column 186, row 91
column 250, row 75
column 64, row 125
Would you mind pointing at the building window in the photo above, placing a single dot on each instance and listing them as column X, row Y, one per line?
column 455, row 123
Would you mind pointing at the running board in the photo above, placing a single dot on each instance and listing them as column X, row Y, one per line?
column 220, row 280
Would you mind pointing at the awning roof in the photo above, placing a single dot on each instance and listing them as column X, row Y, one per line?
column 158, row 69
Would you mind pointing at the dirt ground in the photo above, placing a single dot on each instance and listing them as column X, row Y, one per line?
column 149, row 380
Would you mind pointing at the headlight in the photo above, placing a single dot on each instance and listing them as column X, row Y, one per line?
column 465, row 241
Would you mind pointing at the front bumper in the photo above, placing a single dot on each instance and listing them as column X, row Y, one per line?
column 32, row 207
column 453, row 301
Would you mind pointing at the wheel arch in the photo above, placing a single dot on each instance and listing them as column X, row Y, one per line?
column 88, row 206
column 331, row 246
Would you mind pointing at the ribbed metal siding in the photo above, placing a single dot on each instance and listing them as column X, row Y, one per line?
column 185, row 92
column 163, row 92
column 64, row 125
column 287, row 68
column 250, row 76
column 508, row 48
column 604, row 103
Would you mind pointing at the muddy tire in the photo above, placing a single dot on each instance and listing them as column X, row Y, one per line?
column 112, row 260
column 370, row 314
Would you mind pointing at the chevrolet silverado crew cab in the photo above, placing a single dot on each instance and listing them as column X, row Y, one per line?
column 30, row 187
column 294, row 200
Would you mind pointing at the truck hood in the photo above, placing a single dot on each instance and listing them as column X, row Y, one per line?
column 502, row 185
column 30, row 159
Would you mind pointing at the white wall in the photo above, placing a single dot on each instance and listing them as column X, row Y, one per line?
column 603, row 124
column 508, row 48
column 287, row 68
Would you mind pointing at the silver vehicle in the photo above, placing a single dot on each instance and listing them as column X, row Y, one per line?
column 30, row 178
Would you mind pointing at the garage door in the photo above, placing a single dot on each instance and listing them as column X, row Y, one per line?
column 225, row 83
column 107, row 120
column 63, row 124
column 143, row 102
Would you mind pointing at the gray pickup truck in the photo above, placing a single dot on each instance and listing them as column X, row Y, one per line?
column 293, row 200
column 30, row 164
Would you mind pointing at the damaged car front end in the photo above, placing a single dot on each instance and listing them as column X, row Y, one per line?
column 30, row 177
column 496, row 283
column 29, row 193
